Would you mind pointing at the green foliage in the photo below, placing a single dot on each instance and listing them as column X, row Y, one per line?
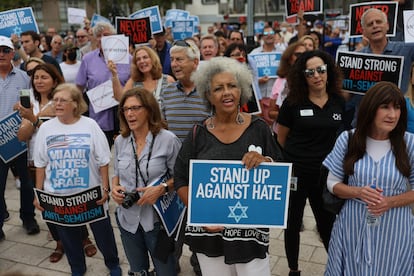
column 14, row 4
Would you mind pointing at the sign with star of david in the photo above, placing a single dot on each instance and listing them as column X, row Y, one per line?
column 17, row 21
column 267, row 64
column 225, row 193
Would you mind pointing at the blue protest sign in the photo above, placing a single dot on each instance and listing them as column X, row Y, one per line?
column 73, row 209
column 98, row 18
column 196, row 23
column 225, row 193
column 182, row 29
column 267, row 63
column 154, row 15
column 175, row 14
column 10, row 146
column 17, row 21
column 170, row 208
column 259, row 27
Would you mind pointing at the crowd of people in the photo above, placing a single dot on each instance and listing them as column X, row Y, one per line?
column 192, row 99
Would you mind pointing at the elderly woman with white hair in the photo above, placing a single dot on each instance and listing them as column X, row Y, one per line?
column 226, row 135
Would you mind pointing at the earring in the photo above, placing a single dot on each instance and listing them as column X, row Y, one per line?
column 239, row 117
column 210, row 124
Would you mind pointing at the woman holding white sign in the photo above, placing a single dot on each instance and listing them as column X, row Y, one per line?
column 146, row 72
column 227, row 135
column 72, row 155
column 144, row 158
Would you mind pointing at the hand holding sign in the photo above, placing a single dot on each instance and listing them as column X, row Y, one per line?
column 115, row 48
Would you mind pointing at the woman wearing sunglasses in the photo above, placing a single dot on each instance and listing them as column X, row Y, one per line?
column 309, row 120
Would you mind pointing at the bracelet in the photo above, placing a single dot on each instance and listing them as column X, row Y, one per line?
column 37, row 123
column 269, row 158
column 108, row 190
column 165, row 185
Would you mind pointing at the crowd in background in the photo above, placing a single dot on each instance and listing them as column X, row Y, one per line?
column 175, row 85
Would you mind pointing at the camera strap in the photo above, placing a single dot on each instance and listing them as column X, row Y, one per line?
column 137, row 163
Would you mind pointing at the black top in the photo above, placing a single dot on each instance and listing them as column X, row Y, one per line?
column 236, row 246
column 312, row 132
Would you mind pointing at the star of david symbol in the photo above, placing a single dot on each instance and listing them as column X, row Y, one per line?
column 241, row 214
column 180, row 204
column 17, row 30
column 266, row 72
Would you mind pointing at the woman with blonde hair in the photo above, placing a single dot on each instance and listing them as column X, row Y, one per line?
column 146, row 72
column 309, row 42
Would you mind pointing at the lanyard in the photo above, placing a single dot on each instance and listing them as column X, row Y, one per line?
column 137, row 163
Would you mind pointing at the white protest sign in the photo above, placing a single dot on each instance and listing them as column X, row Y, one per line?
column 409, row 26
column 76, row 16
column 115, row 48
column 102, row 97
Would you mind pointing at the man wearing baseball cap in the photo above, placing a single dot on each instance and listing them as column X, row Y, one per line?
column 12, row 80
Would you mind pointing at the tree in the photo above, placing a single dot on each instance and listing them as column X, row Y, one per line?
column 14, row 4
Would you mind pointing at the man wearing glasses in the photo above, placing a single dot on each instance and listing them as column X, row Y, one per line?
column 182, row 107
column 82, row 40
column 12, row 80
column 265, row 82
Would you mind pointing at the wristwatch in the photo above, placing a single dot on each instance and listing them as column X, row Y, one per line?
column 165, row 185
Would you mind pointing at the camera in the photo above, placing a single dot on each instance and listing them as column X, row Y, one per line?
column 129, row 199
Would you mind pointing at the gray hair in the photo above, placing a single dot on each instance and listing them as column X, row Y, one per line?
column 192, row 52
column 383, row 15
column 100, row 27
column 56, row 37
column 206, row 71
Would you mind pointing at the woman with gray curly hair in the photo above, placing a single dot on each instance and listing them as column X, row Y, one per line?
column 227, row 134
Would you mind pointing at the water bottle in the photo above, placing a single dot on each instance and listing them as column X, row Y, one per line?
column 371, row 219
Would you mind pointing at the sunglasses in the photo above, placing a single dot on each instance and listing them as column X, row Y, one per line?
column 269, row 33
column 81, row 36
column 6, row 50
column 309, row 73
column 183, row 43
column 297, row 54
column 30, row 72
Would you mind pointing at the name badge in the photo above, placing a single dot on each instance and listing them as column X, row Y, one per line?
column 306, row 112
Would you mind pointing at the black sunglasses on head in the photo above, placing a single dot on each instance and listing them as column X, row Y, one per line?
column 30, row 72
column 183, row 43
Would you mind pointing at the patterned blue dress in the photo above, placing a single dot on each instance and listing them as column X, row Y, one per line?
column 356, row 248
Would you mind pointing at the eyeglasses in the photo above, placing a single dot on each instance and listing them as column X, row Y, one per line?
column 309, row 73
column 183, row 43
column 30, row 72
column 6, row 50
column 134, row 108
column 81, row 36
column 60, row 100
column 269, row 33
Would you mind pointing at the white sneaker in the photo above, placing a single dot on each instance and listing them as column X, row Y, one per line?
column 18, row 183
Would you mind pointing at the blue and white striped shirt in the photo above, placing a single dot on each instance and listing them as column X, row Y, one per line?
column 15, row 81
